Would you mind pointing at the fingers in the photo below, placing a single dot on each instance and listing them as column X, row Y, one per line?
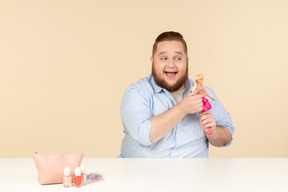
column 196, row 97
column 207, row 119
column 205, row 113
column 196, row 92
column 208, row 124
column 193, row 102
column 198, row 103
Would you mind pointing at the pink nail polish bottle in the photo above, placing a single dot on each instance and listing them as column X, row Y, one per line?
column 67, row 177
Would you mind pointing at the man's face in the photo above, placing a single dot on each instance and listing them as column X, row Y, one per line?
column 170, row 65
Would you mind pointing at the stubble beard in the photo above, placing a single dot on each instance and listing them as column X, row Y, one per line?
column 171, row 88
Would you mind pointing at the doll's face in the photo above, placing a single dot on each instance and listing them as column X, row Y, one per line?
column 200, row 80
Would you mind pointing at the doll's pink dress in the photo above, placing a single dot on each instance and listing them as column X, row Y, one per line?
column 206, row 103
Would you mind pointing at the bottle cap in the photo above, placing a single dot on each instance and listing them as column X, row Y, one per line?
column 77, row 171
column 83, row 169
column 67, row 172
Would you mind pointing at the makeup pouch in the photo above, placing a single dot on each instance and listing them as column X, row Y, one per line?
column 51, row 167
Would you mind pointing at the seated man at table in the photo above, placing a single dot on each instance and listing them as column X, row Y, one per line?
column 162, row 117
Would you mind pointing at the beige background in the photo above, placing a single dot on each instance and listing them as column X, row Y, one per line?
column 64, row 67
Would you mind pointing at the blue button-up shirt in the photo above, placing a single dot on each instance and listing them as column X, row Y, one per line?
column 145, row 99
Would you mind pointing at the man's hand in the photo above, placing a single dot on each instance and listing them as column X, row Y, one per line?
column 192, row 103
column 162, row 124
column 207, row 121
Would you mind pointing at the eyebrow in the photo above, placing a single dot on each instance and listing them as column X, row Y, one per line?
column 164, row 52
column 178, row 52
column 161, row 53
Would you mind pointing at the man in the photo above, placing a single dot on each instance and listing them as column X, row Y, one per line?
column 161, row 115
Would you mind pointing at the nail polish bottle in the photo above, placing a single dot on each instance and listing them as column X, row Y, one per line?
column 67, row 177
column 84, row 175
column 77, row 178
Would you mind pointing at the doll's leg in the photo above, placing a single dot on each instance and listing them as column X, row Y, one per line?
column 210, row 97
column 209, row 131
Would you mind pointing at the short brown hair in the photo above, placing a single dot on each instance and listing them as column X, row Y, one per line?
column 169, row 36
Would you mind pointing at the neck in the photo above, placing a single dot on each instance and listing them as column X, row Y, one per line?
column 183, row 87
column 200, row 86
column 179, row 89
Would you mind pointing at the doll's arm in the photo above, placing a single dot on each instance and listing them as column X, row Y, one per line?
column 204, row 93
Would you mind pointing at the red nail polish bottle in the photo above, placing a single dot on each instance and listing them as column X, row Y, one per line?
column 77, row 178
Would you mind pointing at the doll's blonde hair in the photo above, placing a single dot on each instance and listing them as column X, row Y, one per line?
column 195, row 83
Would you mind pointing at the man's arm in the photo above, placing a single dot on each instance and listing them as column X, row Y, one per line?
column 221, row 135
column 162, row 124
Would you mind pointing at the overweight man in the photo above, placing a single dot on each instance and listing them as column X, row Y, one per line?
column 161, row 115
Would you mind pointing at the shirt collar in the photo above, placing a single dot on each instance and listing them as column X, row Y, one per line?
column 155, row 87
column 188, row 87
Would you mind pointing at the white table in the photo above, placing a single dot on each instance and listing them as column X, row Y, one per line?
column 134, row 175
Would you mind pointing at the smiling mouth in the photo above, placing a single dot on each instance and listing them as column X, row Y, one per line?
column 170, row 74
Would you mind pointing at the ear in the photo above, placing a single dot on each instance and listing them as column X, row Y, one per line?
column 151, row 58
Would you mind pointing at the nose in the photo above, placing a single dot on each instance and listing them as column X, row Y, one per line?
column 171, row 63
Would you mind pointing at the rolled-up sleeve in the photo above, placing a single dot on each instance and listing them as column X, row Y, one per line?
column 222, row 116
column 136, row 115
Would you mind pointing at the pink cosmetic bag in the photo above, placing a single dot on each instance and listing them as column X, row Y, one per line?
column 51, row 167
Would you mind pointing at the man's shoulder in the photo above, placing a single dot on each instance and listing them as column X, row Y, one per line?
column 141, row 83
column 143, row 86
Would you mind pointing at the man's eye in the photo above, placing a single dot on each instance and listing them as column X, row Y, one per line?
column 164, row 58
column 178, row 58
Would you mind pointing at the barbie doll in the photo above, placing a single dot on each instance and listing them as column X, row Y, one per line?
column 206, row 104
